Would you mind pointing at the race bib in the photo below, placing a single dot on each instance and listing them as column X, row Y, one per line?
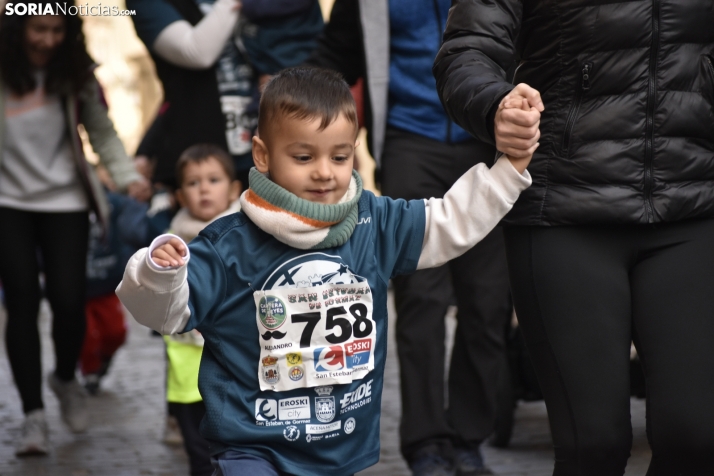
column 315, row 336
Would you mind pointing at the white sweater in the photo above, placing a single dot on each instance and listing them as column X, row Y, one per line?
column 198, row 47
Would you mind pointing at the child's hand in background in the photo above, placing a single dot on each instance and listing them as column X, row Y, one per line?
column 170, row 254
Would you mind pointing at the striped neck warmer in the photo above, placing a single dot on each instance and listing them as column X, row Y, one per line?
column 298, row 222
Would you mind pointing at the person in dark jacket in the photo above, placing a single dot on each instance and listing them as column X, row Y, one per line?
column 612, row 243
column 209, row 56
column 420, row 153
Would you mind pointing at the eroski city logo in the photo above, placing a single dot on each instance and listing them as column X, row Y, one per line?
column 329, row 358
column 358, row 352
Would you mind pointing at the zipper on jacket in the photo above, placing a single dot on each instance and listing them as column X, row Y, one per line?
column 585, row 78
column 651, row 103
column 710, row 66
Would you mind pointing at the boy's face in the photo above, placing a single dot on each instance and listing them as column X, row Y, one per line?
column 313, row 164
column 206, row 190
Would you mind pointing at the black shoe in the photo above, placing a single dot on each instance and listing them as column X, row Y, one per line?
column 430, row 461
column 91, row 384
column 469, row 462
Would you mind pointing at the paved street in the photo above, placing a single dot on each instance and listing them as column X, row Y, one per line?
column 127, row 422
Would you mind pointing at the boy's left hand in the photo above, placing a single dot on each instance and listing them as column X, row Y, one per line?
column 516, row 126
column 521, row 162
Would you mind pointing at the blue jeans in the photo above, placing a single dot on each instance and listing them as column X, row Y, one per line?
column 234, row 463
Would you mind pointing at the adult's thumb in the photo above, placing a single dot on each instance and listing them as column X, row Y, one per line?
column 532, row 95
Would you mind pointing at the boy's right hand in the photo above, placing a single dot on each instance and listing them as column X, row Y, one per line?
column 170, row 254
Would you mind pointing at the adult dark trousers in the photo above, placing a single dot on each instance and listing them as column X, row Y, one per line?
column 61, row 240
column 416, row 167
column 582, row 293
column 189, row 416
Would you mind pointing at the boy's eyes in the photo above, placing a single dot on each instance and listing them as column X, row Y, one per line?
column 305, row 158
column 195, row 183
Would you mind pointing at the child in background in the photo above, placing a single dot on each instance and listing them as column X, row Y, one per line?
column 290, row 295
column 206, row 191
column 108, row 252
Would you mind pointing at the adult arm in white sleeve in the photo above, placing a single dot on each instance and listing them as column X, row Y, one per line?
column 157, row 297
column 198, row 47
column 471, row 208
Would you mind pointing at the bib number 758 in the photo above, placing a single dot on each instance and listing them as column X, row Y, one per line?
column 362, row 326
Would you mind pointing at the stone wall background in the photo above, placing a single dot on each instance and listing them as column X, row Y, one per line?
column 126, row 72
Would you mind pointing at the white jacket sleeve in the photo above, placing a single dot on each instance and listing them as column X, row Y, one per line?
column 198, row 47
column 471, row 208
column 157, row 297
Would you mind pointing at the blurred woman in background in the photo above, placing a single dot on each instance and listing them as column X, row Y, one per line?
column 47, row 191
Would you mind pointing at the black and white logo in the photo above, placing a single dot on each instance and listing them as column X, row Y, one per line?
column 364, row 390
column 324, row 390
column 266, row 409
column 312, row 269
column 297, row 408
column 291, row 433
column 325, row 409
column 349, row 425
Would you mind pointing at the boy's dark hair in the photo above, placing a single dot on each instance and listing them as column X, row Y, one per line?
column 306, row 93
column 200, row 153
column 68, row 70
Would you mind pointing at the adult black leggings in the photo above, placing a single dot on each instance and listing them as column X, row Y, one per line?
column 61, row 239
column 581, row 294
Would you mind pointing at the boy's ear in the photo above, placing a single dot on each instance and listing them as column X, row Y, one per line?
column 236, row 190
column 180, row 198
column 260, row 155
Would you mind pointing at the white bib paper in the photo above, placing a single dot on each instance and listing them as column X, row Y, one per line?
column 315, row 336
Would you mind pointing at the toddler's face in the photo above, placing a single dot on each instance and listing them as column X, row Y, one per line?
column 313, row 164
column 207, row 191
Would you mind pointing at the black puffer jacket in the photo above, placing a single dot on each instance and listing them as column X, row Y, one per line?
column 628, row 87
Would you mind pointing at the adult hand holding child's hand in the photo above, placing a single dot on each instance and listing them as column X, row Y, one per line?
column 170, row 254
column 516, row 125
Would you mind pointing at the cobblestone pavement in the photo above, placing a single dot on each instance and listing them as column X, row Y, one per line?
column 128, row 416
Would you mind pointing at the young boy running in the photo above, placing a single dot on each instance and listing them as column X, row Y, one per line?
column 290, row 295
